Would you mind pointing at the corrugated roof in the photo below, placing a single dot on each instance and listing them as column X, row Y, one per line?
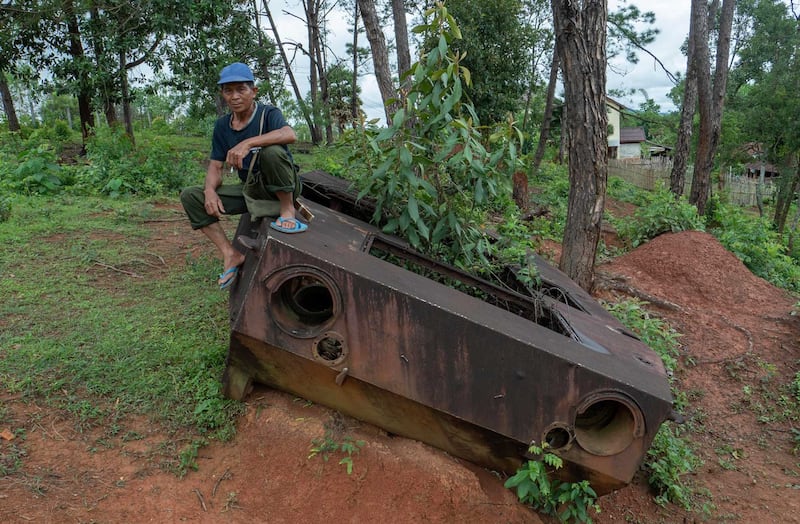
column 631, row 135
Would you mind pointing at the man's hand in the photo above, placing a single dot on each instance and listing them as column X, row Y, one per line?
column 236, row 155
column 213, row 203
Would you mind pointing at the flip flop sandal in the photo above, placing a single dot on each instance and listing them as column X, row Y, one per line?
column 232, row 273
column 280, row 225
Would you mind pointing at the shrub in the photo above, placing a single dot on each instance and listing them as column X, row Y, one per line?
column 33, row 170
column 430, row 171
column 564, row 500
column 5, row 208
column 661, row 213
column 117, row 168
column 756, row 244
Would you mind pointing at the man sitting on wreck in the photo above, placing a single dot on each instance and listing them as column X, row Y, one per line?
column 253, row 139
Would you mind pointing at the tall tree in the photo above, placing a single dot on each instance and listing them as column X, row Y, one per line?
column 401, row 42
column 288, row 66
column 765, row 91
column 710, row 95
column 580, row 29
column 380, row 57
column 677, row 178
column 497, row 45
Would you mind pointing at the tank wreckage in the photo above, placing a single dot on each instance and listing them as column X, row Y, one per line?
column 335, row 316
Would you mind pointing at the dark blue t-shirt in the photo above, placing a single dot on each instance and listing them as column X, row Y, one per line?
column 225, row 137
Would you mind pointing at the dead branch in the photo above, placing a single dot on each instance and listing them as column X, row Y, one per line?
column 616, row 283
column 224, row 476
column 118, row 270
column 200, row 498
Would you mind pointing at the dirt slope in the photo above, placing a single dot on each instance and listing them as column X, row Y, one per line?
column 737, row 331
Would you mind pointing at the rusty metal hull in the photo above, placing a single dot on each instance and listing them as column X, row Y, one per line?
column 321, row 316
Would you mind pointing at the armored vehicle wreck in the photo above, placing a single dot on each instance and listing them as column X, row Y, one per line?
column 333, row 315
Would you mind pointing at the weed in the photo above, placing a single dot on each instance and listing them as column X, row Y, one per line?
column 670, row 459
column 327, row 446
column 662, row 213
column 11, row 457
column 727, row 457
column 5, row 208
column 568, row 501
column 188, row 457
column 231, row 502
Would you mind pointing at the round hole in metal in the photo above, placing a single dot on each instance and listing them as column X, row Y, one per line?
column 605, row 427
column 303, row 301
column 330, row 349
column 557, row 437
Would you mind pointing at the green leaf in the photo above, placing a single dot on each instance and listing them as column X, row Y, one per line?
column 413, row 210
column 405, row 156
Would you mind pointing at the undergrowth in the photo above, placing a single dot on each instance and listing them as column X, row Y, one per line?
column 98, row 323
column 670, row 459
column 568, row 501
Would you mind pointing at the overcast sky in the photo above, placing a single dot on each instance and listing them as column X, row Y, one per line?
column 672, row 19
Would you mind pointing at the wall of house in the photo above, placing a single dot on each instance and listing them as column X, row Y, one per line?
column 613, row 124
column 630, row 150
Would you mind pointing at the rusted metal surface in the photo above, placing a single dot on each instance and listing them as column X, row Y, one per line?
column 333, row 316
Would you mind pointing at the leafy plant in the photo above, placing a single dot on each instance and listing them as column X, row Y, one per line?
column 429, row 170
column 756, row 244
column 662, row 213
column 327, row 446
column 33, row 171
column 5, row 208
column 568, row 501
column 652, row 330
column 670, row 459
column 117, row 167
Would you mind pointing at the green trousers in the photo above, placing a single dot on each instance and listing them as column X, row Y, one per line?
column 273, row 171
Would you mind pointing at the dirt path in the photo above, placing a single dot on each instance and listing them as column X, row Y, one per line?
column 737, row 332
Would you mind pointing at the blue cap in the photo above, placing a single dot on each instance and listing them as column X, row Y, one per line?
column 236, row 72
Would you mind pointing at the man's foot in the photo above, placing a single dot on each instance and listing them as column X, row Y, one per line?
column 288, row 225
column 228, row 277
column 231, row 269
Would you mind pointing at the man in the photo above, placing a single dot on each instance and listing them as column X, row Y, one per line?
column 252, row 139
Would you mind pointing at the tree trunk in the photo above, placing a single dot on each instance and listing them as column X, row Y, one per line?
column 544, row 134
column 401, row 41
column 793, row 227
column 263, row 65
column 680, row 159
column 316, row 72
column 786, row 194
column 127, row 114
column 380, row 57
column 84, row 93
column 8, row 104
column 287, row 65
column 581, row 41
column 354, row 86
column 710, row 99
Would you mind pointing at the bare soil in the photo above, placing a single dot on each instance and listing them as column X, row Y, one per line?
column 737, row 332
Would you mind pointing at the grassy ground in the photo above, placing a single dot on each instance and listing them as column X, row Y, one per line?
column 105, row 320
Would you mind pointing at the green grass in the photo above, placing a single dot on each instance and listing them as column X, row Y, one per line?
column 95, row 323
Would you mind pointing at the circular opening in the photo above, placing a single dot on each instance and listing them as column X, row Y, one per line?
column 303, row 302
column 557, row 437
column 330, row 349
column 307, row 298
column 605, row 427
